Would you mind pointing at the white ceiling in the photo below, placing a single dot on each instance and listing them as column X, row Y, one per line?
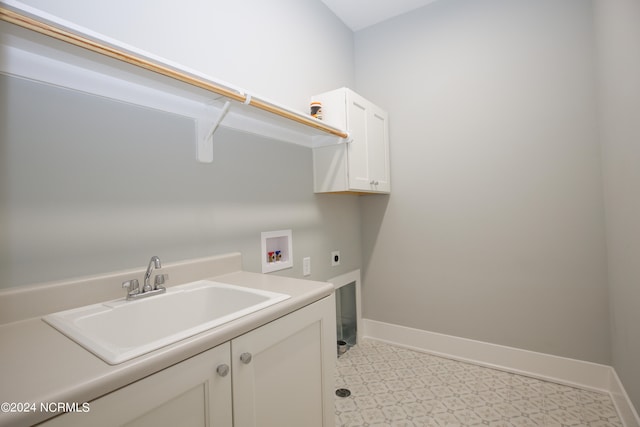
column 359, row 14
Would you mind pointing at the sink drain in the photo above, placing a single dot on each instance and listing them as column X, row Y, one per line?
column 343, row 392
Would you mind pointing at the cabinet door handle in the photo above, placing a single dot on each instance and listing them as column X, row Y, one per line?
column 374, row 182
column 245, row 358
column 223, row 370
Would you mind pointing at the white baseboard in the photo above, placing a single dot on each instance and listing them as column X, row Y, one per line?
column 621, row 399
column 572, row 372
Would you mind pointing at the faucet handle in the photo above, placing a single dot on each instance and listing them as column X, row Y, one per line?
column 132, row 286
column 159, row 280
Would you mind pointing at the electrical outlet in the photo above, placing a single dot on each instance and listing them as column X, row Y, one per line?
column 335, row 258
column 306, row 266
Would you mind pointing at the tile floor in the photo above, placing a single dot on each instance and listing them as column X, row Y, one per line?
column 392, row 386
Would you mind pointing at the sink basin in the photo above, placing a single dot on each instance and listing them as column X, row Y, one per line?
column 119, row 330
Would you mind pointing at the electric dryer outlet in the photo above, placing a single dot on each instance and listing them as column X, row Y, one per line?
column 335, row 258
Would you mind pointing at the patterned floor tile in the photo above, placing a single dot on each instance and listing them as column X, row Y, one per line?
column 393, row 386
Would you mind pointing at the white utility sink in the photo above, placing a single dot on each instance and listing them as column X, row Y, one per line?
column 119, row 330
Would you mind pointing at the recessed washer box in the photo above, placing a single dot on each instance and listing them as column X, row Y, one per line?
column 277, row 250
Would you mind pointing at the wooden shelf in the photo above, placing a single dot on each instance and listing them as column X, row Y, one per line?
column 44, row 48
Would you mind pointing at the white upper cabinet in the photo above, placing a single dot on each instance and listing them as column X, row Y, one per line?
column 362, row 164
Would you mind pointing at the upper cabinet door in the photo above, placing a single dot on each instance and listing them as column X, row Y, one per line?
column 369, row 149
column 378, row 146
column 358, row 117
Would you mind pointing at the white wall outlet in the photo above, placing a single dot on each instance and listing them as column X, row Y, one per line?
column 335, row 258
column 306, row 266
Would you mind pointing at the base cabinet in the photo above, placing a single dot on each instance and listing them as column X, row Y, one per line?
column 280, row 374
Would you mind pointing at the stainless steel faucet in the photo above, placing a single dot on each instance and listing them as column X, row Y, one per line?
column 133, row 286
column 153, row 262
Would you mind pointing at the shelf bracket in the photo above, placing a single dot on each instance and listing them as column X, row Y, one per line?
column 206, row 129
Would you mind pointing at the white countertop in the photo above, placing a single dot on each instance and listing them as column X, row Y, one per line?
column 40, row 364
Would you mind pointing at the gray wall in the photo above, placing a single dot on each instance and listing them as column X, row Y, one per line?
column 90, row 185
column 494, row 229
column 496, row 209
column 618, row 31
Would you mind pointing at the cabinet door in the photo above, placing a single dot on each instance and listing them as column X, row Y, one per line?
column 283, row 372
column 358, row 117
column 190, row 393
column 369, row 151
column 378, row 149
